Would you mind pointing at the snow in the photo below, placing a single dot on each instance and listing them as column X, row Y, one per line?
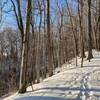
column 72, row 83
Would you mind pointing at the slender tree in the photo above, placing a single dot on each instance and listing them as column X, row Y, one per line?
column 98, row 28
column 23, row 72
column 73, row 32
column 80, row 14
column 50, row 62
column 90, row 56
column 38, row 45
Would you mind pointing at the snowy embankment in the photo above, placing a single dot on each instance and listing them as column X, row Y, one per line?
column 71, row 84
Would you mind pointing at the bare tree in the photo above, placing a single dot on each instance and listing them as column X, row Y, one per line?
column 80, row 13
column 89, row 32
column 73, row 32
column 98, row 27
column 50, row 62
column 23, row 72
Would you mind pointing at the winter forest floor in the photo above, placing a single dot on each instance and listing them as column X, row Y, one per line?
column 71, row 84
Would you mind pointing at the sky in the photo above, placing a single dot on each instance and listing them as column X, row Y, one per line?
column 9, row 18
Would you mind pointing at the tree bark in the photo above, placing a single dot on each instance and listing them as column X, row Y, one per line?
column 50, row 62
column 23, row 72
column 98, row 28
column 80, row 13
column 74, row 37
column 90, row 56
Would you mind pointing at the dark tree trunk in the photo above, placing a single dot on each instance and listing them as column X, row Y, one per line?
column 50, row 59
column 98, row 28
column 90, row 56
column 23, row 72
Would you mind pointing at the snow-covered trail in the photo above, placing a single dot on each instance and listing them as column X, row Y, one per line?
column 73, row 84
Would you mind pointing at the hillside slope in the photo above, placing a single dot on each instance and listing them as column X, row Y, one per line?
column 72, row 84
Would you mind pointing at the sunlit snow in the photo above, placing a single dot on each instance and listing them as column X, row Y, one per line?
column 72, row 83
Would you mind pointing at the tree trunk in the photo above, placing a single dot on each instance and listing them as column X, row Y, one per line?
column 23, row 72
column 33, row 55
column 73, row 32
column 80, row 13
column 50, row 62
column 98, row 28
column 90, row 56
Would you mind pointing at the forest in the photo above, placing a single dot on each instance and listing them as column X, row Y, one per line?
column 37, row 37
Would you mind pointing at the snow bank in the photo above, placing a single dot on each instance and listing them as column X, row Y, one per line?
column 71, row 84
